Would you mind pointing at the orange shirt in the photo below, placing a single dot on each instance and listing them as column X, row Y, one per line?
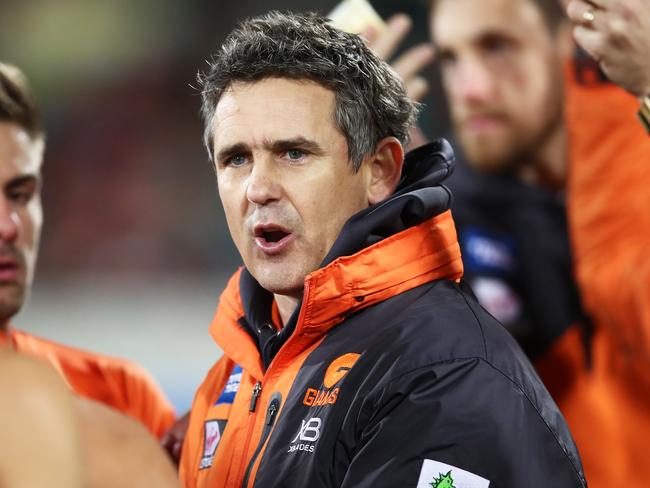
column 608, row 409
column 118, row 383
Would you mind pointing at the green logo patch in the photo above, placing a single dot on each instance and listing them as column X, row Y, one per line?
column 432, row 475
column 443, row 481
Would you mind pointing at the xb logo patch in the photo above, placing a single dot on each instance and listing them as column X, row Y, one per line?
column 307, row 436
column 309, row 430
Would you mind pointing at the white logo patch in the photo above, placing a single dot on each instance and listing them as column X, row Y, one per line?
column 435, row 474
column 212, row 435
column 307, row 436
column 309, row 431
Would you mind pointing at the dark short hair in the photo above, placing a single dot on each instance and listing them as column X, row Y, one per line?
column 370, row 99
column 17, row 105
column 552, row 12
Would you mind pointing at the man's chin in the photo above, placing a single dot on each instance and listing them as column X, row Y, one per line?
column 490, row 155
column 9, row 306
column 279, row 280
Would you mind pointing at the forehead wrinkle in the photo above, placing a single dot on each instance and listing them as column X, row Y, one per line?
column 279, row 116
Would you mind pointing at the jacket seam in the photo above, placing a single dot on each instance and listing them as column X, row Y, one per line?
column 539, row 414
column 478, row 322
column 509, row 379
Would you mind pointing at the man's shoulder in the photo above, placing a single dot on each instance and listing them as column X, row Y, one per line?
column 72, row 357
column 435, row 323
column 83, row 368
column 451, row 346
column 449, row 311
column 120, row 383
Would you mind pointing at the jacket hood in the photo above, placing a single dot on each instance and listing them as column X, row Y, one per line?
column 419, row 196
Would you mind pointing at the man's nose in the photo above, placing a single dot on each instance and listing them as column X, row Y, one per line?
column 8, row 221
column 474, row 82
column 263, row 182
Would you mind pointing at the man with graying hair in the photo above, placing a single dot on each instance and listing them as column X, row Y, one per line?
column 353, row 356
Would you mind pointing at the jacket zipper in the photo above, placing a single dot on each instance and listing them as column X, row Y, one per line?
column 271, row 414
column 252, row 415
column 257, row 389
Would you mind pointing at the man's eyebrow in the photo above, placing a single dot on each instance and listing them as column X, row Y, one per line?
column 23, row 180
column 232, row 150
column 276, row 146
column 295, row 143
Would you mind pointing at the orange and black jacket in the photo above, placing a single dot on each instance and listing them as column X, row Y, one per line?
column 117, row 383
column 388, row 369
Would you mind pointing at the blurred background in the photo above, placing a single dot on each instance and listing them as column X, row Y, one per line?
column 135, row 249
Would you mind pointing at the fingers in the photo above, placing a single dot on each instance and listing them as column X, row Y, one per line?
column 588, row 26
column 410, row 64
column 584, row 14
column 369, row 34
column 385, row 44
column 416, row 88
column 414, row 60
column 590, row 40
column 601, row 4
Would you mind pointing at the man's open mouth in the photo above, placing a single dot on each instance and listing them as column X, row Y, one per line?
column 273, row 235
column 271, row 238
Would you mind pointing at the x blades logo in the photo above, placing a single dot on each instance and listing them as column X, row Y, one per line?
column 307, row 436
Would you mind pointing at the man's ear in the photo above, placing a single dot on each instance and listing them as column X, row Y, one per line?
column 385, row 169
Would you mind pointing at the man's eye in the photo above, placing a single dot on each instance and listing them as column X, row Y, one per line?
column 493, row 45
column 446, row 59
column 20, row 196
column 295, row 154
column 237, row 160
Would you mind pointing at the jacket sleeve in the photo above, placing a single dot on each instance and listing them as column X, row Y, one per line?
column 609, row 211
column 465, row 418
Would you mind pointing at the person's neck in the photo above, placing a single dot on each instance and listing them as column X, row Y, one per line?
column 5, row 338
column 286, row 306
column 549, row 166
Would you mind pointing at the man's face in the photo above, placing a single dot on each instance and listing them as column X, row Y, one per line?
column 284, row 178
column 21, row 215
column 502, row 74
